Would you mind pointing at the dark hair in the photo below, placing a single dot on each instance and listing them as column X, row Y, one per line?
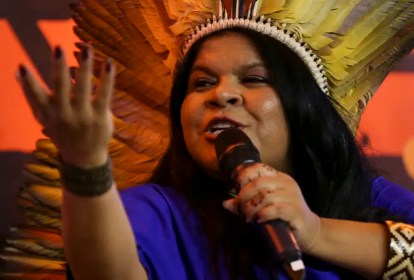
column 326, row 162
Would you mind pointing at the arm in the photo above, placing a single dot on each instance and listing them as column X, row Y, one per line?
column 357, row 246
column 99, row 243
column 267, row 194
column 98, row 240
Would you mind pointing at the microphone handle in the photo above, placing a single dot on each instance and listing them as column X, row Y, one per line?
column 281, row 241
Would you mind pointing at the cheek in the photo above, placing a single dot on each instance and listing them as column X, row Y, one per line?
column 270, row 116
column 273, row 133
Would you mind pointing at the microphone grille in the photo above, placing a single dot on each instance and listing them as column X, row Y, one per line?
column 234, row 147
column 230, row 137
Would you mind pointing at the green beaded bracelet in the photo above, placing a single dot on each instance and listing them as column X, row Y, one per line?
column 86, row 182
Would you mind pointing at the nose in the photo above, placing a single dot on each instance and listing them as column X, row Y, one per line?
column 226, row 93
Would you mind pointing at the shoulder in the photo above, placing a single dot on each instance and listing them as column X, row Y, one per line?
column 149, row 194
column 395, row 198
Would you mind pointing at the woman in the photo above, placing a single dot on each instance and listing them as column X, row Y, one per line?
column 228, row 78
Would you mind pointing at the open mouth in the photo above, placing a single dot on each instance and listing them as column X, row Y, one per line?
column 216, row 126
column 219, row 127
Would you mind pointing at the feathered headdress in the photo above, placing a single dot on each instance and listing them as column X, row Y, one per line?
column 349, row 47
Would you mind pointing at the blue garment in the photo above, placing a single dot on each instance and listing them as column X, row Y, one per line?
column 172, row 244
column 396, row 199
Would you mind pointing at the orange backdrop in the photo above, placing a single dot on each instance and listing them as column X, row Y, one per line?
column 388, row 121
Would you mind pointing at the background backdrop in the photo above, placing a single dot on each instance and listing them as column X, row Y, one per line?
column 29, row 29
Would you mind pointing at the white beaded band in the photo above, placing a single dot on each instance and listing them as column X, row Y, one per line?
column 266, row 27
column 401, row 255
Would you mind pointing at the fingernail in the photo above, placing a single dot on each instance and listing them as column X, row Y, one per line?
column 85, row 53
column 108, row 65
column 22, row 71
column 58, row 52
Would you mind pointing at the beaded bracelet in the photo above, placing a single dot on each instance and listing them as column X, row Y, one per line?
column 86, row 182
column 401, row 256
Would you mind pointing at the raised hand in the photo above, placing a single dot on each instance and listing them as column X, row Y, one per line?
column 267, row 194
column 76, row 118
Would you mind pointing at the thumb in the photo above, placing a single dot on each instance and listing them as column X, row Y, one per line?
column 232, row 205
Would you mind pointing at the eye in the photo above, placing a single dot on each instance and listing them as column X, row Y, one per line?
column 253, row 79
column 201, row 84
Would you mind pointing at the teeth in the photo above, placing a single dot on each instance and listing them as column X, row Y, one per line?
column 218, row 127
column 223, row 125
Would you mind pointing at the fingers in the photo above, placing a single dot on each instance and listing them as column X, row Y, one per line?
column 270, row 211
column 104, row 92
column 83, row 86
column 253, row 200
column 59, row 101
column 265, row 205
column 61, row 84
column 232, row 205
column 263, row 191
column 255, row 171
column 35, row 94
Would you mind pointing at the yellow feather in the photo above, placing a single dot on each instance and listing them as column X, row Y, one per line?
column 31, row 178
column 48, row 195
column 141, row 139
column 317, row 36
column 47, row 239
column 189, row 13
column 45, row 158
column 361, row 30
column 146, row 16
column 49, row 275
column 294, row 11
column 31, row 247
column 130, row 110
column 35, row 263
column 148, row 89
column 40, row 220
column 128, row 160
column 28, row 202
column 45, row 172
column 47, row 146
column 270, row 7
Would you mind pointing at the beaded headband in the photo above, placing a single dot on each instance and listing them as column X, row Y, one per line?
column 267, row 27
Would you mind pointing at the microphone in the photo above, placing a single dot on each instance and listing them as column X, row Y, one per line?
column 235, row 151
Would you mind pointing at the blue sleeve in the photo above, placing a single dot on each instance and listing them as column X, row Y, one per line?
column 151, row 223
column 170, row 240
column 396, row 199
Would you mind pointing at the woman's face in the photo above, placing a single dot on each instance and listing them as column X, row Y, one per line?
column 228, row 87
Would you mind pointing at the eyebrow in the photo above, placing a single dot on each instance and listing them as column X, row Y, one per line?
column 244, row 68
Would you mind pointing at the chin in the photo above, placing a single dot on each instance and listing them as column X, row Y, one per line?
column 211, row 168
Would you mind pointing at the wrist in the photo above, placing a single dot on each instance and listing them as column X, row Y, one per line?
column 317, row 237
column 86, row 181
column 85, row 161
